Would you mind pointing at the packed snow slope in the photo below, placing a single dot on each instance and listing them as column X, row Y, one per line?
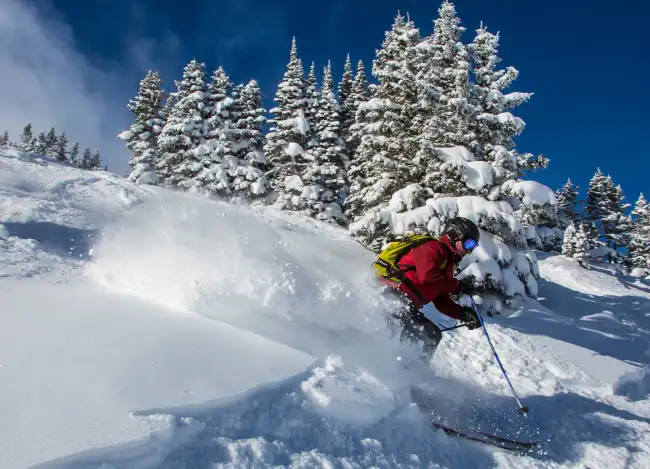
column 141, row 328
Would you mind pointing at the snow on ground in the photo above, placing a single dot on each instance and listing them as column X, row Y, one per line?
column 141, row 328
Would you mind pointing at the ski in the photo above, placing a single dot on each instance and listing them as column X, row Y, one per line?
column 486, row 438
column 472, row 435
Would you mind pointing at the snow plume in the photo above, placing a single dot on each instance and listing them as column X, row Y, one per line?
column 227, row 262
column 48, row 82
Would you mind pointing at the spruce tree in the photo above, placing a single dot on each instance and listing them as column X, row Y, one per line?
column 26, row 138
column 39, row 144
column 60, row 148
column 218, row 157
column 360, row 94
column 383, row 161
column 249, row 180
column 568, row 244
column 492, row 124
column 4, row 140
column 142, row 136
column 178, row 162
column 312, row 96
column 327, row 175
column 597, row 199
column 567, row 204
column 288, row 136
column 95, row 163
column 86, row 159
column 639, row 247
column 50, row 142
column 344, row 93
column 449, row 122
column 74, row 154
column 616, row 224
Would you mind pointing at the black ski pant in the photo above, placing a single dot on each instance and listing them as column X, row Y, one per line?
column 415, row 326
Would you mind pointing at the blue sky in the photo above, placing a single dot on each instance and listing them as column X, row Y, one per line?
column 585, row 61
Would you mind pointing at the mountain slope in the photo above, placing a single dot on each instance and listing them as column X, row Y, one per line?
column 145, row 328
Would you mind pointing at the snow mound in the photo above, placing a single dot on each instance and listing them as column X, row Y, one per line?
column 634, row 385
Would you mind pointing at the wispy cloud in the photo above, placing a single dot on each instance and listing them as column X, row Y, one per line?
column 45, row 80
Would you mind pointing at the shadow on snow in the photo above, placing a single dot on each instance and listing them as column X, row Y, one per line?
column 64, row 241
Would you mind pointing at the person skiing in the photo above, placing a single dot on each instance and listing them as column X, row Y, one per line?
column 425, row 274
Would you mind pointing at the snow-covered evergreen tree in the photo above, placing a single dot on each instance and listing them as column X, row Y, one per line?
column 449, row 121
column 383, row 161
column 95, row 163
column 617, row 224
column 218, row 153
column 26, row 138
column 360, row 94
column 4, row 140
column 344, row 91
column 60, row 148
column 326, row 176
column 288, row 137
column 86, row 159
column 142, row 136
column 449, row 180
column 568, row 243
column 639, row 247
column 567, row 204
column 178, row 162
column 50, row 142
column 249, row 180
column 492, row 123
column 39, row 144
column 597, row 203
column 312, row 96
column 74, row 154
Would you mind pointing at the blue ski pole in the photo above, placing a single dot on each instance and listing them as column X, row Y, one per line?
column 523, row 409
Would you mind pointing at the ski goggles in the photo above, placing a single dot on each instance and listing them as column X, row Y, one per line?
column 470, row 244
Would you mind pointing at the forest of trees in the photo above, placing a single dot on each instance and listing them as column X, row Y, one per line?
column 427, row 135
column 54, row 146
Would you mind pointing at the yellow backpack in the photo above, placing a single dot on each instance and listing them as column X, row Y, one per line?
column 386, row 263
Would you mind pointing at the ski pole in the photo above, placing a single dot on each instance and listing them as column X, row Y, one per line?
column 453, row 327
column 523, row 409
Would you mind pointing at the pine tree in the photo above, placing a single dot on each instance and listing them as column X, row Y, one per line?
column 60, row 148
column 492, row 123
column 359, row 94
column 288, row 136
column 312, row 97
column 142, row 136
column 178, row 162
column 217, row 153
column 74, row 154
column 568, row 244
column 39, row 144
column 95, row 162
column 567, row 203
column 639, row 248
column 50, row 142
column 344, row 93
column 597, row 199
column 383, row 160
column 326, row 175
column 449, row 122
column 249, row 180
column 86, row 159
column 26, row 138
column 4, row 140
column 616, row 224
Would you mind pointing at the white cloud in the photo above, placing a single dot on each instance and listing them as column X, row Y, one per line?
column 44, row 79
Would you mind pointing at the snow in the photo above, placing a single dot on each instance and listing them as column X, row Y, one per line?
column 146, row 328
column 293, row 149
column 530, row 192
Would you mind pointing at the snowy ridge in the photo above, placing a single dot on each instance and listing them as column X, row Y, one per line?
column 185, row 332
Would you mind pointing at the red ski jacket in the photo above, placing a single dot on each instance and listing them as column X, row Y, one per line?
column 433, row 276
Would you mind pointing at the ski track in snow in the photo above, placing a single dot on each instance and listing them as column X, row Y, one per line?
column 149, row 294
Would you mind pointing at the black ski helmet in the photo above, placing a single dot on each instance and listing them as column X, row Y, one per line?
column 461, row 229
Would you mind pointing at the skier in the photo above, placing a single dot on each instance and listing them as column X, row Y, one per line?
column 426, row 274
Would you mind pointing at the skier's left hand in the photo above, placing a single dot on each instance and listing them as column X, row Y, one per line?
column 469, row 317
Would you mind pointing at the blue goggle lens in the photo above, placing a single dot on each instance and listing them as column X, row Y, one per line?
column 470, row 244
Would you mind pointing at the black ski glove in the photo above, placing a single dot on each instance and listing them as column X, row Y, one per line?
column 469, row 317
